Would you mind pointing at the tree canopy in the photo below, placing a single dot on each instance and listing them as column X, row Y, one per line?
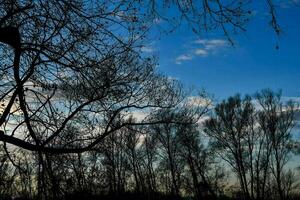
column 72, row 69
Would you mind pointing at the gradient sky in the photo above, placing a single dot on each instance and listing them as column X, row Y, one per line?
column 208, row 62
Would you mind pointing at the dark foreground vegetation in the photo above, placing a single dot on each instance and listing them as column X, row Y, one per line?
column 131, row 196
column 85, row 115
column 237, row 150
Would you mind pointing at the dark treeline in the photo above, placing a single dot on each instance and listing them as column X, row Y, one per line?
column 240, row 151
column 84, row 114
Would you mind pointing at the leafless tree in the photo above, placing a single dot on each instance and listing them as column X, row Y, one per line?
column 229, row 130
column 58, row 76
column 276, row 120
column 255, row 141
column 72, row 72
column 63, row 61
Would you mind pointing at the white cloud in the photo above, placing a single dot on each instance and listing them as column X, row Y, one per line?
column 207, row 47
column 183, row 57
column 199, row 101
column 211, row 44
column 139, row 115
column 201, row 52
column 147, row 49
column 172, row 78
column 212, row 41
column 203, row 119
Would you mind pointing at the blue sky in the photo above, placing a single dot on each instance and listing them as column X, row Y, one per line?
column 208, row 62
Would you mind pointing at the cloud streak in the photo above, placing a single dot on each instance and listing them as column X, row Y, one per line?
column 183, row 57
column 147, row 49
column 204, row 48
column 210, row 46
column 201, row 52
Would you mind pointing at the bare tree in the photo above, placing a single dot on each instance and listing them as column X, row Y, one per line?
column 255, row 141
column 115, row 163
column 276, row 120
column 150, row 148
column 133, row 151
column 72, row 72
column 61, row 76
column 62, row 61
column 7, row 175
column 197, row 158
column 229, row 130
column 166, row 134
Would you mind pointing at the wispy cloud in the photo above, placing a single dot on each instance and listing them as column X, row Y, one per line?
column 202, row 48
column 212, row 41
column 183, row 57
column 147, row 49
column 212, row 44
column 199, row 101
column 201, row 52
column 172, row 78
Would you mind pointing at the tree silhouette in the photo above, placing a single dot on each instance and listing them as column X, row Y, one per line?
column 276, row 121
column 72, row 78
column 64, row 76
column 256, row 143
column 80, row 60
